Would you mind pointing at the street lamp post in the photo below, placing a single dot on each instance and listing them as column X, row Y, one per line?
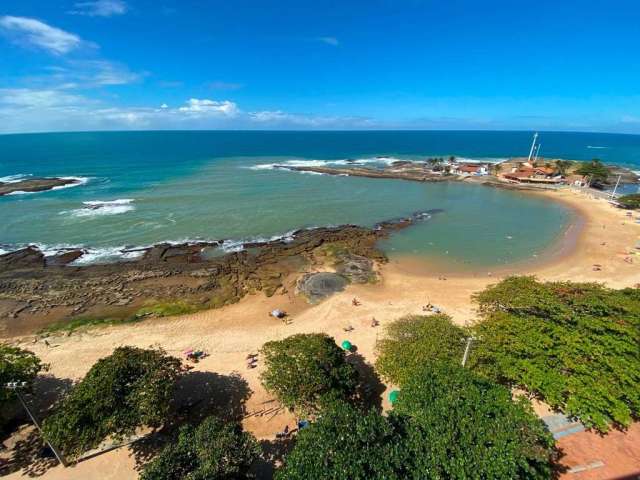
column 16, row 386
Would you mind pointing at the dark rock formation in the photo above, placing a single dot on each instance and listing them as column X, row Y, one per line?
column 317, row 286
column 35, row 185
column 29, row 257
column 64, row 258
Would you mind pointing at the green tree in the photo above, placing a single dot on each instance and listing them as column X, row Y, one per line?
column 17, row 365
column 595, row 170
column 304, row 370
column 574, row 345
column 563, row 166
column 414, row 340
column 214, row 450
column 130, row 388
column 447, row 423
column 460, row 425
column 346, row 443
column 631, row 201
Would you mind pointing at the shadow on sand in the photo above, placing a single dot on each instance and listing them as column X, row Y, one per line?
column 27, row 451
column 198, row 395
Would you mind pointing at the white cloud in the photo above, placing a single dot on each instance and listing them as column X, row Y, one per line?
column 87, row 74
column 205, row 107
column 32, row 32
column 333, row 41
column 28, row 98
column 100, row 8
column 164, row 106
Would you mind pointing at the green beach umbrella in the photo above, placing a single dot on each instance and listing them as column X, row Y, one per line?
column 347, row 345
column 393, row 396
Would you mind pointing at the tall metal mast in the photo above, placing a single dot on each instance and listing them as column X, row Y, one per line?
column 533, row 145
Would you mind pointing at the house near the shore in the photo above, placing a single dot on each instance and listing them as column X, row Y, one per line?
column 470, row 169
column 527, row 173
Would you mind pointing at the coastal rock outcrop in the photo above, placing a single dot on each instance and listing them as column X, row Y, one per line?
column 318, row 286
column 35, row 185
column 40, row 290
column 29, row 257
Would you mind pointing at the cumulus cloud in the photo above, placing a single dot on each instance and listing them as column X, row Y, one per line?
column 208, row 107
column 333, row 41
column 29, row 32
column 100, row 8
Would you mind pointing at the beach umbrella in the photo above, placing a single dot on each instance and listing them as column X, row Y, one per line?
column 393, row 396
column 347, row 345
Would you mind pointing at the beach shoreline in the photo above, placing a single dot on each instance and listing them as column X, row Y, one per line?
column 229, row 333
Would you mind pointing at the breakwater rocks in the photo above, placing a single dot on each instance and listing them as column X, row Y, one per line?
column 32, row 185
column 36, row 290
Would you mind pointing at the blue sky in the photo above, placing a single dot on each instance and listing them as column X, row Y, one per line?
column 154, row 64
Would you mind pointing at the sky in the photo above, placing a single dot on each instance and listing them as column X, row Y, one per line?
column 68, row 65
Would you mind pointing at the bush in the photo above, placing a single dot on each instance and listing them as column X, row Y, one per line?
column 595, row 170
column 346, row 443
column 213, row 450
column 631, row 201
column 414, row 340
column 459, row 425
column 17, row 365
column 132, row 387
column 304, row 370
column 574, row 345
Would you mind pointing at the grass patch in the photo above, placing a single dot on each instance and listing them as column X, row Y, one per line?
column 85, row 322
column 169, row 309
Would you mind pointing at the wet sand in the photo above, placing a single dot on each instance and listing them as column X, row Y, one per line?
column 605, row 237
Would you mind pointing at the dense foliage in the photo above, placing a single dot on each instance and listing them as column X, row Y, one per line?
column 631, row 201
column 460, row 425
column 213, row 450
column 17, row 365
column 304, row 370
column 130, row 388
column 574, row 345
column 413, row 340
column 447, row 423
column 346, row 443
column 562, row 166
column 595, row 170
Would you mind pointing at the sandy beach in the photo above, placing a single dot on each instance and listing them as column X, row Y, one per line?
column 604, row 236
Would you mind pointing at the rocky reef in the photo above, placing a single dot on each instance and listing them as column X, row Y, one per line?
column 37, row 290
column 35, row 185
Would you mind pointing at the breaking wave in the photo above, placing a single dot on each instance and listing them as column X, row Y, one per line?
column 97, row 208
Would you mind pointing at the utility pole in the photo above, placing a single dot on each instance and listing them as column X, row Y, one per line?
column 15, row 386
column 613, row 194
column 466, row 350
column 533, row 145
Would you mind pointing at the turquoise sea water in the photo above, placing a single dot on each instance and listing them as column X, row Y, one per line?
column 146, row 187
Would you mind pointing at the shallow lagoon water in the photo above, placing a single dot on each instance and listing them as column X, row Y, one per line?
column 149, row 187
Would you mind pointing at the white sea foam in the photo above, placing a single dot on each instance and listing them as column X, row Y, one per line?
column 14, row 178
column 238, row 245
column 596, row 147
column 107, row 255
column 96, row 208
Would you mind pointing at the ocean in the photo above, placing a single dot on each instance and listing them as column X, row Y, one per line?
column 141, row 188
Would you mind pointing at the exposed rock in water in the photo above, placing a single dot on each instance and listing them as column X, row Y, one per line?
column 317, row 286
column 64, row 258
column 29, row 257
column 35, row 185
